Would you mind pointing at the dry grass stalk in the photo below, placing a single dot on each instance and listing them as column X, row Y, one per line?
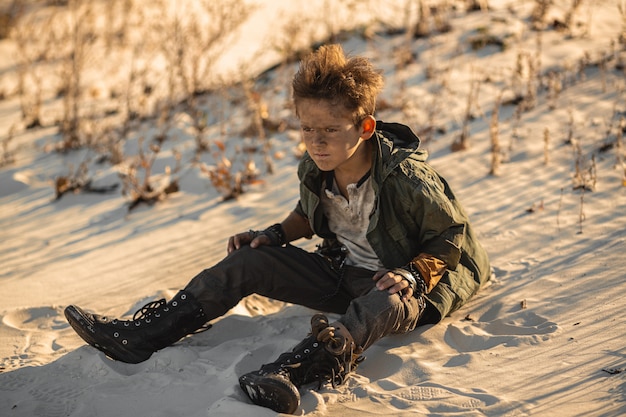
column 539, row 14
column 569, row 16
column 546, row 146
column 622, row 12
column 581, row 213
column 34, row 37
column 555, row 86
column 8, row 156
column 496, row 156
column 619, row 148
column 422, row 27
column 584, row 178
column 558, row 211
column 462, row 142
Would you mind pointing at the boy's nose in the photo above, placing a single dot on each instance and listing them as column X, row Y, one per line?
column 318, row 138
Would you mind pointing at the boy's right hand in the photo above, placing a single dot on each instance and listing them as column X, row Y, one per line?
column 251, row 237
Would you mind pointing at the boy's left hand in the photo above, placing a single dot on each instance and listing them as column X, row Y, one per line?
column 393, row 283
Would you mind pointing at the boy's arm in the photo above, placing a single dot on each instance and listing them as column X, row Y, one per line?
column 296, row 226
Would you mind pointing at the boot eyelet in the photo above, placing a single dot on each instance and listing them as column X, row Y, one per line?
column 148, row 320
column 157, row 315
column 126, row 324
column 124, row 342
column 315, row 344
column 137, row 323
column 174, row 303
column 183, row 297
column 116, row 334
column 166, row 309
column 307, row 351
column 298, row 356
column 114, row 321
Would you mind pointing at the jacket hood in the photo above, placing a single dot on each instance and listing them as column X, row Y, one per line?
column 395, row 143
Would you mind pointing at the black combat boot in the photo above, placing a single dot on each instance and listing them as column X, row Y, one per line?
column 328, row 354
column 156, row 325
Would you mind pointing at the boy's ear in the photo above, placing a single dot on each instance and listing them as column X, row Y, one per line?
column 368, row 126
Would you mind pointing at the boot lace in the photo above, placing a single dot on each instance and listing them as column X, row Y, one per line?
column 148, row 310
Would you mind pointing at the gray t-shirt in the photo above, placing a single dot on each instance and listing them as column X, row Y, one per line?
column 349, row 220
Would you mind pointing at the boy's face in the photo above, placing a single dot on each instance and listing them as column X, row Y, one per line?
column 330, row 136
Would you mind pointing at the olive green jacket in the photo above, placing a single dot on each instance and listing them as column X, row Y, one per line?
column 415, row 212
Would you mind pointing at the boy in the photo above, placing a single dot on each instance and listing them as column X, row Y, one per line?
column 398, row 250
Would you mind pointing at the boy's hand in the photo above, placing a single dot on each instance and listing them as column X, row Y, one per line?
column 252, row 238
column 393, row 283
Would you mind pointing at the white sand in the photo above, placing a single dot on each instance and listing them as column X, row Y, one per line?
column 538, row 340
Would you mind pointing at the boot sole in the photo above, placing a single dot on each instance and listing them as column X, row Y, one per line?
column 271, row 392
column 109, row 346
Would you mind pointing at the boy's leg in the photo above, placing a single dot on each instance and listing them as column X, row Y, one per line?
column 332, row 350
column 287, row 274
column 374, row 314
column 378, row 314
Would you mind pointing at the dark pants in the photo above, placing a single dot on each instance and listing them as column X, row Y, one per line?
column 296, row 276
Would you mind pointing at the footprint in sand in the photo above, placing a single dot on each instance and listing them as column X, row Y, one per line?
column 512, row 329
column 36, row 318
column 427, row 398
column 31, row 334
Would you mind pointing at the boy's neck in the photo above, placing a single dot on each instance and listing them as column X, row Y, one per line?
column 354, row 172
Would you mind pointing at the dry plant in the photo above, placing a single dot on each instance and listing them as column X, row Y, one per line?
column 193, row 38
column 74, row 181
column 569, row 16
column 619, row 148
column 149, row 190
column 570, row 126
column 585, row 178
column 622, row 12
column 10, row 15
column 78, row 37
column 555, row 86
column 78, row 180
column 484, row 38
column 462, row 142
column 8, row 156
column 581, row 213
column 431, row 19
column 117, row 15
column 496, row 156
column 546, row 146
column 422, row 26
column 558, row 210
column 530, row 98
column 258, row 110
column 35, row 40
column 224, row 175
column 539, row 14
column 477, row 5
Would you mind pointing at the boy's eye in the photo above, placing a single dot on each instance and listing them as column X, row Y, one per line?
column 330, row 130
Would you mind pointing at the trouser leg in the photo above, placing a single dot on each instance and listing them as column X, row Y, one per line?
column 287, row 274
column 374, row 314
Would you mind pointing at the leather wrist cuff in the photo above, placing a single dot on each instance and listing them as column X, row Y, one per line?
column 276, row 234
column 415, row 280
